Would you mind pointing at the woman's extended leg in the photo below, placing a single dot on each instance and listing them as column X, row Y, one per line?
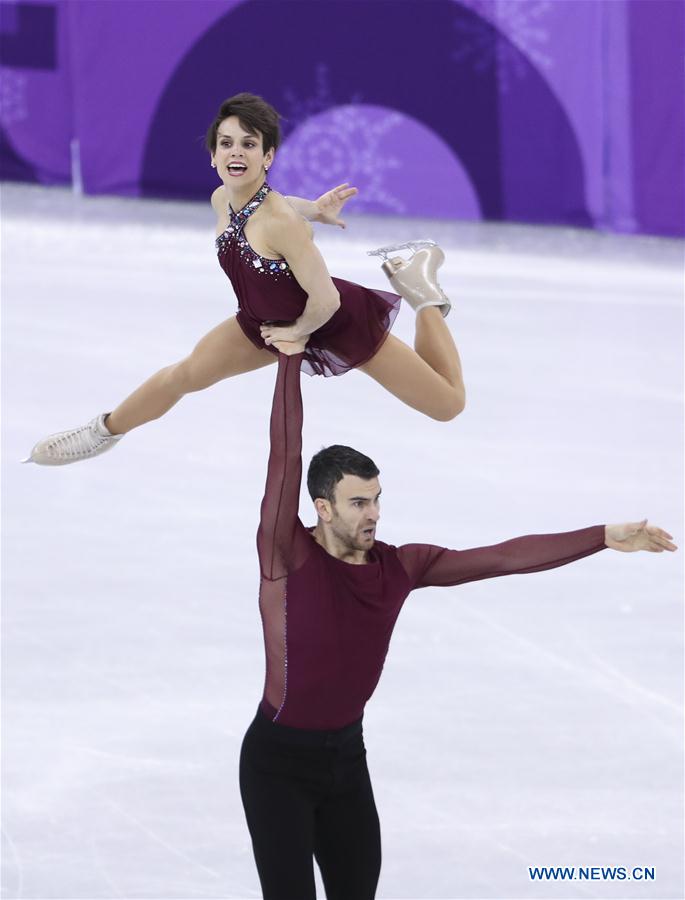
column 222, row 353
column 427, row 378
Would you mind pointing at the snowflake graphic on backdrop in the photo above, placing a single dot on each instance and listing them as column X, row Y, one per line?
column 337, row 143
column 13, row 102
column 298, row 109
column 520, row 22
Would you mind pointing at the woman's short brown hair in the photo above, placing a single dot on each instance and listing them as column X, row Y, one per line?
column 255, row 115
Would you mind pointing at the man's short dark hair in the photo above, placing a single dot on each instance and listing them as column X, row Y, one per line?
column 255, row 115
column 329, row 465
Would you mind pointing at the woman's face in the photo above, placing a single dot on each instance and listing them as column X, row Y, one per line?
column 238, row 155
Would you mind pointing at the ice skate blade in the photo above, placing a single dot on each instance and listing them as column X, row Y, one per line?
column 408, row 245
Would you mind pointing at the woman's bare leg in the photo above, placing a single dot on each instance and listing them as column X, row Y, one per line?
column 427, row 378
column 222, row 353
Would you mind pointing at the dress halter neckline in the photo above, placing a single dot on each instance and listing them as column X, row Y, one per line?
column 239, row 218
column 234, row 236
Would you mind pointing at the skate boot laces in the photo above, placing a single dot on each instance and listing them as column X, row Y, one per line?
column 73, row 445
column 80, row 442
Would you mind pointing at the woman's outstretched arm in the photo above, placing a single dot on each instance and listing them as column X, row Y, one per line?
column 326, row 208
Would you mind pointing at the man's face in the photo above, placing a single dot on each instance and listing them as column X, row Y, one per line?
column 355, row 510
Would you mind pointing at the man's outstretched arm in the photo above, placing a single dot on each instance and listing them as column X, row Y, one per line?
column 279, row 525
column 430, row 565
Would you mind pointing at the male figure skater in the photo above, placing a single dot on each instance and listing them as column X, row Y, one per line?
column 329, row 599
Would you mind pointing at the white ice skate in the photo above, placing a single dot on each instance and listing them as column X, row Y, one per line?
column 416, row 278
column 66, row 447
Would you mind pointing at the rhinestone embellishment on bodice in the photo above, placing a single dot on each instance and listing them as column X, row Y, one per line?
column 233, row 235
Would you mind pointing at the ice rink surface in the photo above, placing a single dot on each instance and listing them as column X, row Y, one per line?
column 525, row 721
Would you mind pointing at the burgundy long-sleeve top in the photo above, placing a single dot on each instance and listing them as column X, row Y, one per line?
column 327, row 623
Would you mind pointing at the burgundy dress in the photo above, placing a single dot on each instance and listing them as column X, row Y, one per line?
column 327, row 623
column 268, row 291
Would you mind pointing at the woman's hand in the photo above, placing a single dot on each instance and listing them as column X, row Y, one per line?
column 638, row 536
column 329, row 204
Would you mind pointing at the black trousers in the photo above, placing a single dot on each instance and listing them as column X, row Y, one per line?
column 308, row 794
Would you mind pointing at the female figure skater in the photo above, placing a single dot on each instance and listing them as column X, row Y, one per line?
column 329, row 598
column 285, row 293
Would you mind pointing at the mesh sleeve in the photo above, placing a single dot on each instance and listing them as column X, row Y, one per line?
column 282, row 540
column 427, row 565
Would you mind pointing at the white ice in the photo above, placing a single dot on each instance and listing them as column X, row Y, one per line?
column 524, row 721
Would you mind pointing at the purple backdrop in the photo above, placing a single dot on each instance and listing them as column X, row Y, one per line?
column 526, row 110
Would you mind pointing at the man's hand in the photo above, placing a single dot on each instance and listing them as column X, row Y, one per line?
column 278, row 333
column 638, row 536
column 291, row 348
column 329, row 204
column 285, row 337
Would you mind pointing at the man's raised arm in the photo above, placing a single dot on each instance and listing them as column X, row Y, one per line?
column 281, row 536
